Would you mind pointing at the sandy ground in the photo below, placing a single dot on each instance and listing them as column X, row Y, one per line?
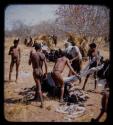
column 16, row 111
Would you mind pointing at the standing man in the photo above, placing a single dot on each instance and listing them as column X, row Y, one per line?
column 15, row 58
column 37, row 59
column 58, row 69
column 94, row 57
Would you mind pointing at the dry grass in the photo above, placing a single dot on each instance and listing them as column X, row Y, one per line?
column 32, row 112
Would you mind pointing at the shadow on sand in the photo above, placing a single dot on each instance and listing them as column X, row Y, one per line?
column 7, row 81
column 27, row 97
column 11, row 100
column 93, row 91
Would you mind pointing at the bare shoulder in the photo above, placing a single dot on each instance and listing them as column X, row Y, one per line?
column 42, row 55
column 18, row 47
column 66, row 59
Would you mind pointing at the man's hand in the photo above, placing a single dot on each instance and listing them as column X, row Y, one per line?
column 71, row 61
column 10, row 52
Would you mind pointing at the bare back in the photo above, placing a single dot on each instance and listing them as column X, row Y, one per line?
column 37, row 59
column 60, row 64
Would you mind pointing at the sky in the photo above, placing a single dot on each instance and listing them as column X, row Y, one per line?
column 29, row 14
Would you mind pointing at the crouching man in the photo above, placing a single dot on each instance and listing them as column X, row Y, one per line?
column 58, row 69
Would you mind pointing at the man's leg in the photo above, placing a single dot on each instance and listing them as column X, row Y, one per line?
column 104, row 105
column 61, row 82
column 17, row 70
column 11, row 69
column 62, row 93
column 85, row 81
column 98, row 118
column 79, row 69
column 38, row 90
column 36, row 94
column 100, row 115
column 95, row 77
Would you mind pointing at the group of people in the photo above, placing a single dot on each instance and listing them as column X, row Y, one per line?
column 28, row 42
column 71, row 57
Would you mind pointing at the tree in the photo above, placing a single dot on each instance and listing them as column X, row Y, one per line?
column 84, row 19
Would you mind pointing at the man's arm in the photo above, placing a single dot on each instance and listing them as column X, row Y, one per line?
column 10, row 51
column 75, row 58
column 98, row 61
column 98, row 57
column 78, row 76
column 89, row 55
column 76, row 49
column 70, row 67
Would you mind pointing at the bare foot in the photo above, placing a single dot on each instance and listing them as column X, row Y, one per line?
column 44, row 95
column 42, row 106
column 61, row 101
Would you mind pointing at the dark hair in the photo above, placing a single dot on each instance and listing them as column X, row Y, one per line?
column 92, row 45
column 62, row 53
column 37, row 46
column 73, row 43
column 16, row 41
